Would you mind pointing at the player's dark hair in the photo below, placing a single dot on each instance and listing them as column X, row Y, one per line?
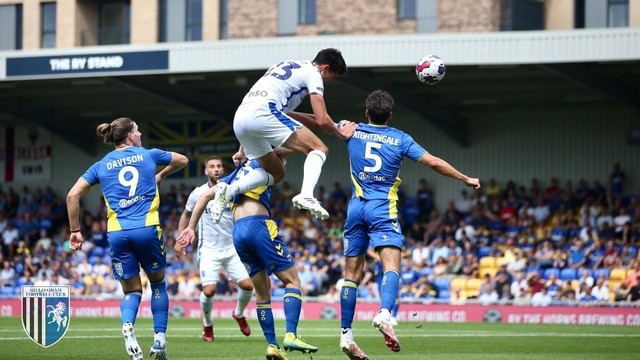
column 333, row 58
column 379, row 106
column 116, row 132
column 213, row 157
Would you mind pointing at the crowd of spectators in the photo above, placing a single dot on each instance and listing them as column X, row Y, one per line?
column 504, row 243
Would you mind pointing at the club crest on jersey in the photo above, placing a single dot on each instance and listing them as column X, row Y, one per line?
column 45, row 313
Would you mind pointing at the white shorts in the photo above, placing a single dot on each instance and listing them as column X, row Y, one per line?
column 260, row 127
column 212, row 261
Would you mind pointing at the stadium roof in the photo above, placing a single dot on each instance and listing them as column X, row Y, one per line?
column 70, row 91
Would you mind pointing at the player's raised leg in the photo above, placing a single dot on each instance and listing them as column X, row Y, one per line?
column 306, row 142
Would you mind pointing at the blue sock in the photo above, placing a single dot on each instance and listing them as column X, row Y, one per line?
column 129, row 306
column 389, row 289
column 348, row 297
column 396, row 306
column 159, row 306
column 265, row 318
column 292, row 308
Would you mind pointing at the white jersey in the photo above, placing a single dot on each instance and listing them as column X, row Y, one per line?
column 211, row 236
column 286, row 84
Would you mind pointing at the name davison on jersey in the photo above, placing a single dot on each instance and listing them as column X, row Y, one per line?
column 385, row 139
column 124, row 161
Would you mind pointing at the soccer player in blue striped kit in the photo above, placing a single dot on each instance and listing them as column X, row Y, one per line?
column 376, row 151
column 128, row 179
column 262, row 250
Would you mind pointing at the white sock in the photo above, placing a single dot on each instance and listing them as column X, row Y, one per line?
column 251, row 180
column 243, row 299
column 312, row 170
column 346, row 334
column 160, row 337
column 206, row 304
column 386, row 315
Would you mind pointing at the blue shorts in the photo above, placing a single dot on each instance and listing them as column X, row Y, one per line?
column 260, row 246
column 133, row 248
column 373, row 220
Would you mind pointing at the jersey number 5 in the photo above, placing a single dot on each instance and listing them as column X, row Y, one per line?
column 368, row 154
column 132, row 183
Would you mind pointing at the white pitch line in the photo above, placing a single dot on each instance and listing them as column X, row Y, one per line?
column 366, row 335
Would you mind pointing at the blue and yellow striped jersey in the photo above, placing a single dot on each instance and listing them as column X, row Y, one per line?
column 127, row 177
column 375, row 154
column 261, row 194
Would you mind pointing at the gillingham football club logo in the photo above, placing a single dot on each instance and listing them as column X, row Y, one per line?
column 45, row 313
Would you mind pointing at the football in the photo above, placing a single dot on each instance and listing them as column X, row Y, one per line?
column 430, row 70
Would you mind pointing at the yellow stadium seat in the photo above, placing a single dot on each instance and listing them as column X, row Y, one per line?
column 473, row 287
column 487, row 262
column 613, row 285
column 575, row 284
column 491, row 271
column 618, row 274
column 458, row 282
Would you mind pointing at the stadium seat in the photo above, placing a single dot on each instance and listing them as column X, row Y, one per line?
column 93, row 260
column 473, row 287
column 8, row 290
column 568, row 274
column 277, row 293
column 458, row 282
column 597, row 273
column 484, row 252
column 633, row 250
column 487, row 262
column 618, row 274
column 426, row 271
column 98, row 251
column 491, row 271
column 442, row 283
column 550, row 271
column 444, row 294
column 575, row 284
column 613, row 285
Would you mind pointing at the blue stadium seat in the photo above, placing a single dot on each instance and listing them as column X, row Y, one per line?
column 484, row 251
column 568, row 274
column 277, row 293
column 633, row 250
column 550, row 271
column 426, row 271
column 8, row 290
column 93, row 260
column 444, row 294
column 98, row 251
column 442, row 283
column 596, row 274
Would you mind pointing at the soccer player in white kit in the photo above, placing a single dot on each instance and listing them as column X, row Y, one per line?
column 216, row 251
column 266, row 119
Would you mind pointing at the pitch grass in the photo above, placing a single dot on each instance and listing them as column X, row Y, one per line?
column 91, row 338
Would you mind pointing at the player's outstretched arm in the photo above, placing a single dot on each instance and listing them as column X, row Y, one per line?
column 188, row 235
column 324, row 121
column 446, row 169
